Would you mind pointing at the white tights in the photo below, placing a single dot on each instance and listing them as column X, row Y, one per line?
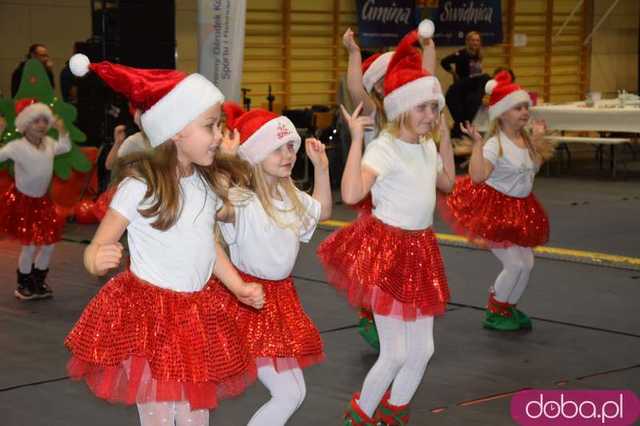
column 287, row 390
column 405, row 350
column 171, row 413
column 517, row 263
column 28, row 254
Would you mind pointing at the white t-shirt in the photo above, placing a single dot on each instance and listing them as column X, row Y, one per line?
column 404, row 193
column 34, row 166
column 514, row 171
column 134, row 143
column 260, row 247
column 182, row 257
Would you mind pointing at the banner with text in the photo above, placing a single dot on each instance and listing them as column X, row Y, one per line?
column 455, row 18
column 221, row 43
column 382, row 23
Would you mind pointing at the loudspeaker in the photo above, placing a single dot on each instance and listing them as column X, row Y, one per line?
column 138, row 33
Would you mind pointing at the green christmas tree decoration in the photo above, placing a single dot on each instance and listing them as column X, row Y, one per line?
column 35, row 84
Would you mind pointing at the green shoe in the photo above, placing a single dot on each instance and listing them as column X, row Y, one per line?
column 354, row 416
column 498, row 322
column 392, row 415
column 367, row 329
column 522, row 318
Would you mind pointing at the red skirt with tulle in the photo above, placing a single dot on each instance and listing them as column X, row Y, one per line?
column 280, row 333
column 102, row 203
column 391, row 271
column 489, row 218
column 136, row 343
column 32, row 221
column 364, row 206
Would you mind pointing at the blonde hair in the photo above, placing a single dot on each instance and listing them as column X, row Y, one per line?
column 159, row 170
column 538, row 150
column 404, row 121
column 381, row 116
column 468, row 37
column 264, row 193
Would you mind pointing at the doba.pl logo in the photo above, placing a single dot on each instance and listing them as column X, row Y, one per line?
column 575, row 408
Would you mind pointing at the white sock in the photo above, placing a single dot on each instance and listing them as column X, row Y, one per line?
column 44, row 256
column 420, row 348
column 25, row 260
column 171, row 413
column 526, row 254
column 287, row 390
column 393, row 355
column 517, row 263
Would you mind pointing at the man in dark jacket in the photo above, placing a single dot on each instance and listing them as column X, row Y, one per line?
column 36, row 51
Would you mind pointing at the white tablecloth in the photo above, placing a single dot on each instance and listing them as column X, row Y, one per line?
column 604, row 116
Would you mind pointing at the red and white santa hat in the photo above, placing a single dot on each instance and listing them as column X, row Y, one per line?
column 261, row 131
column 406, row 83
column 374, row 68
column 28, row 110
column 168, row 99
column 504, row 94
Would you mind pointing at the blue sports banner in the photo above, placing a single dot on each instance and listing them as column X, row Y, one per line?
column 382, row 23
column 455, row 18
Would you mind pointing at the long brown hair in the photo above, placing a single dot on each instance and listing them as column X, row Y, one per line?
column 159, row 170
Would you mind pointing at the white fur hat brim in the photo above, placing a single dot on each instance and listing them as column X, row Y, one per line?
column 407, row 96
column 32, row 112
column 508, row 102
column 269, row 137
column 185, row 102
column 376, row 71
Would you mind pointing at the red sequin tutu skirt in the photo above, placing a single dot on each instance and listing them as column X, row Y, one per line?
column 136, row 343
column 32, row 221
column 388, row 270
column 102, row 203
column 490, row 218
column 364, row 206
column 280, row 333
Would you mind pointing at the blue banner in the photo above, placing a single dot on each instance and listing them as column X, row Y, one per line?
column 382, row 23
column 455, row 18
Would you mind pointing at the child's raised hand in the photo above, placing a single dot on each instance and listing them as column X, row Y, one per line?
column 230, row 142
column 471, row 131
column 349, row 42
column 357, row 123
column 107, row 256
column 119, row 134
column 251, row 294
column 316, row 153
column 538, row 129
column 427, row 43
column 58, row 124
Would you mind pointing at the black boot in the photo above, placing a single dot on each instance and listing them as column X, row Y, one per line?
column 25, row 289
column 41, row 288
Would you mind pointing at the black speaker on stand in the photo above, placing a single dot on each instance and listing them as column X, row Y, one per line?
column 137, row 33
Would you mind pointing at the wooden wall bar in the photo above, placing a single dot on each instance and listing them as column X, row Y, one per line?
column 296, row 46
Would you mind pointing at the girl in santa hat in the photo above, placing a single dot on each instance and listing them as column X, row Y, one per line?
column 156, row 335
column 389, row 261
column 365, row 84
column 494, row 205
column 27, row 214
column 365, row 79
column 263, row 229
